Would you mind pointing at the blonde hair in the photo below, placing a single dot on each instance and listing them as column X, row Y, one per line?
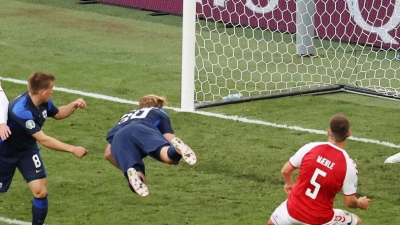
column 152, row 101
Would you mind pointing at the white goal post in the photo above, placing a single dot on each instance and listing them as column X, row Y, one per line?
column 188, row 55
column 271, row 48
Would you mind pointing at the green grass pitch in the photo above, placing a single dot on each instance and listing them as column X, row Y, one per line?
column 126, row 53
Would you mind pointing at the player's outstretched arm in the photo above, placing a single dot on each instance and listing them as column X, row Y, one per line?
column 109, row 156
column 287, row 171
column 57, row 145
column 4, row 129
column 352, row 201
column 66, row 110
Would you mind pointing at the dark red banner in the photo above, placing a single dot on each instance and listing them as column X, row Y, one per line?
column 365, row 22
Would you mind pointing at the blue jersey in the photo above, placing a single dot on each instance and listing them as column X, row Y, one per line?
column 154, row 117
column 24, row 120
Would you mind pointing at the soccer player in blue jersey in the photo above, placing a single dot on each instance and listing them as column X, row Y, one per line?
column 4, row 129
column 26, row 116
column 145, row 132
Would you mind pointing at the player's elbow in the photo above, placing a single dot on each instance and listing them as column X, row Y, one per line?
column 287, row 169
column 107, row 152
column 286, row 172
column 107, row 155
column 59, row 116
column 45, row 141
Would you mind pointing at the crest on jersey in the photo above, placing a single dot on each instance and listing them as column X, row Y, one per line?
column 30, row 124
column 44, row 113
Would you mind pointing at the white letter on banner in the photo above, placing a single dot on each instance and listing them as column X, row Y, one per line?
column 266, row 9
column 220, row 3
column 383, row 31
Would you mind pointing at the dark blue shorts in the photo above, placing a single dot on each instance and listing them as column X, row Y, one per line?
column 29, row 163
column 134, row 142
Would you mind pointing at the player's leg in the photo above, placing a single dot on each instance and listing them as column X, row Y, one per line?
column 128, row 156
column 172, row 155
column 40, row 201
column 343, row 217
column 7, row 171
column 166, row 154
column 32, row 169
column 281, row 216
column 154, row 144
column 109, row 157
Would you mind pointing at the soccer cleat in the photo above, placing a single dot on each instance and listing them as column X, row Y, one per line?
column 186, row 152
column 393, row 159
column 137, row 183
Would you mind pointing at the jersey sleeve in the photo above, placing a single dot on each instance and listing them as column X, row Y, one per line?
column 351, row 180
column 3, row 106
column 165, row 123
column 296, row 159
column 24, row 118
column 52, row 110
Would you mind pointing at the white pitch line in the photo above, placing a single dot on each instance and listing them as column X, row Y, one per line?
column 14, row 221
column 217, row 115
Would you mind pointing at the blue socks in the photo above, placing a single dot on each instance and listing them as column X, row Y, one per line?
column 173, row 154
column 39, row 210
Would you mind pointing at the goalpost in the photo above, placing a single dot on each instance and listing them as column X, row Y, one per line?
column 270, row 48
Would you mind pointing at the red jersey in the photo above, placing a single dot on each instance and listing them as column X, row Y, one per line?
column 325, row 169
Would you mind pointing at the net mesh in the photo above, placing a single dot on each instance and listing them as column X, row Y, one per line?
column 248, row 48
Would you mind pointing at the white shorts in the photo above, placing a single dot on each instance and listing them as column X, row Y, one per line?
column 341, row 217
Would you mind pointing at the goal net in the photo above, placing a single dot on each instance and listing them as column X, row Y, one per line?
column 271, row 48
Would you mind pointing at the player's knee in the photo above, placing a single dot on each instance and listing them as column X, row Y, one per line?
column 108, row 156
column 38, row 188
column 270, row 223
column 40, row 193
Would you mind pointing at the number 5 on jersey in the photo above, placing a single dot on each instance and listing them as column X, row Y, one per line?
column 313, row 181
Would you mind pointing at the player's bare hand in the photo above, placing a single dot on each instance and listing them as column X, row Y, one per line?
column 80, row 103
column 79, row 151
column 288, row 188
column 363, row 202
column 4, row 131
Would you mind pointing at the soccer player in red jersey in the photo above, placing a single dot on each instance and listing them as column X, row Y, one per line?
column 325, row 169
